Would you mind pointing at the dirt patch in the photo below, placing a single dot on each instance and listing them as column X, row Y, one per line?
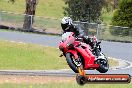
column 34, row 79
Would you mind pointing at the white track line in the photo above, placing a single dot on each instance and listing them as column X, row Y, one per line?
column 123, row 64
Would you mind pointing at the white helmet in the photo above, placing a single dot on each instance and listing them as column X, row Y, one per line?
column 66, row 20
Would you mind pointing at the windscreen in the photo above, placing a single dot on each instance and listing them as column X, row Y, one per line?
column 65, row 35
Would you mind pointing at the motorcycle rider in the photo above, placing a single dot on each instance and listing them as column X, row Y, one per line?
column 67, row 26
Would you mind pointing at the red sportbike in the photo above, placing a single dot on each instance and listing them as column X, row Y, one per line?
column 79, row 54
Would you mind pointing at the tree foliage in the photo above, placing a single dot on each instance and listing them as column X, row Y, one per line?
column 111, row 3
column 123, row 15
column 86, row 10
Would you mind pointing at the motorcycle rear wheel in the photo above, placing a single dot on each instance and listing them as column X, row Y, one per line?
column 103, row 65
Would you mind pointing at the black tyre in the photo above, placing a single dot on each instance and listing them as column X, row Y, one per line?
column 81, row 80
column 70, row 60
column 104, row 66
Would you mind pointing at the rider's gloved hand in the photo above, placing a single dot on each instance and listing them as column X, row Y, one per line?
column 79, row 39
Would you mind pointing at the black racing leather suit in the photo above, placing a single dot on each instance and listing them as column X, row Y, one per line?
column 79, row 33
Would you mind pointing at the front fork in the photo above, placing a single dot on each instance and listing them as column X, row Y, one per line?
column 81, row 77
column 80, row 68
column 81, row 71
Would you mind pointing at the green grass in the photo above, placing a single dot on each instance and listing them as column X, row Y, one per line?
column 45, row 8
column 65, row 85
column 29, row 57
column 40, row 22
column 106, row 35
column 47, row 23
column 12, row 17
column 19, row 56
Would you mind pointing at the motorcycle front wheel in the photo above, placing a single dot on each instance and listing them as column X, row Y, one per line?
column 73, row 64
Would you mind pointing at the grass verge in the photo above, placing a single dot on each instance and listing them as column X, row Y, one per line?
column 21, row 56
column 50, row 82
column 65, row 85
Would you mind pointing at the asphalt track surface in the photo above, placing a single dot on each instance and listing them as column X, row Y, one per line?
column 114, row 49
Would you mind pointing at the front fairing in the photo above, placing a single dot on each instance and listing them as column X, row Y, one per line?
column 67, row 40
column 79, row 47
column 85, row 51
